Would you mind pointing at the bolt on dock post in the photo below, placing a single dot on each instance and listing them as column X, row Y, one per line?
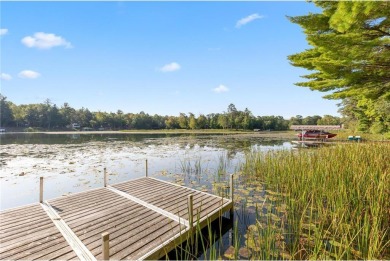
column 191, row 216
column 231, row 196
column 40, row 189
column 106, row 246
column 146, row 168
column 105, row 177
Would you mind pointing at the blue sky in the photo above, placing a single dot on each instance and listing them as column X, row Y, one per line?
column 157, row 57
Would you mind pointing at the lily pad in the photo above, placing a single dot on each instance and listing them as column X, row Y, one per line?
column 282, row 208
column 244, row 252
column 253, row 228
column 285, row 256
column 253, row 243
column 273, row 217
column 245, row 192
column 229, row 253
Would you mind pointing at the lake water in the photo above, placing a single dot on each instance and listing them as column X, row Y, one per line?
column 72, row 163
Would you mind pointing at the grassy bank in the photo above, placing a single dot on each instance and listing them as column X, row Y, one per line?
column 333, row 202
column 343, row 135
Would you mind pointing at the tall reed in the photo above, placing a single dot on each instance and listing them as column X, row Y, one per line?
column 337, row 198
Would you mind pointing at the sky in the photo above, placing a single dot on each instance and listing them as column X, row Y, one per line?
column 158, row 57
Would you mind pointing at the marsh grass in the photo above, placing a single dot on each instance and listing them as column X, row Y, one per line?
column 223, row 164
column 325, row 203
column 337, row 203
column 191, row 166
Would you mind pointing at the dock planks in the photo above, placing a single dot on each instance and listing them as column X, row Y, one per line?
column 31, row 235
column 145, row 219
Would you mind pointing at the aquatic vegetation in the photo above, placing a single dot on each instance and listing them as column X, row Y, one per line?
column 326, row 203
column 223, row 164
column 332, row 202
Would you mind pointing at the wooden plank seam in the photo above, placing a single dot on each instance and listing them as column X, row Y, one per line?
column 225, row 207
column 182, row 234
column 74, row 242
column 194, row 190
column 123, row 182
column 84, row 254
column 163, row 212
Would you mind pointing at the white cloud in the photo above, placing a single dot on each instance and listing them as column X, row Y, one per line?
column 248, row 19
column 5, row 76
column 28, row 74
column 221, row 88
column 3, row 31
column 42, row 40
column 170, row 67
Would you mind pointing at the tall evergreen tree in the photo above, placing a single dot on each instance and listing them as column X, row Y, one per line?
column 350, row 54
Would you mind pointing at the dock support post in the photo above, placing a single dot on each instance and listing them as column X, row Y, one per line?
column 105, row 177
column 106, row 246
column 191, row 216
column 40, row 189
column 146, row 168
column 232, row 196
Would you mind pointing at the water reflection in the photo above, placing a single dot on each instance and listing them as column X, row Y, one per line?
column 76, row 138
column 74, row 162
column 80, row 158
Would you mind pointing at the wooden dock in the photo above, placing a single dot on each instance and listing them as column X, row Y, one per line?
column 139, row 219
column 315, row 143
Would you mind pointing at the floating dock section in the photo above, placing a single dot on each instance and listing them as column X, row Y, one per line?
column 140, row 219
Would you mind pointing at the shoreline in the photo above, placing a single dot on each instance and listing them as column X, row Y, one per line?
column 341, row 137
column 279, row 134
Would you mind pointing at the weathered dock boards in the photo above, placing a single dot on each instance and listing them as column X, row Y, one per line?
column 145, row 219
column 28, row 233
column 173, row 198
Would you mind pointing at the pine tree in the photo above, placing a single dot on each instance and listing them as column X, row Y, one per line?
column 350, row 54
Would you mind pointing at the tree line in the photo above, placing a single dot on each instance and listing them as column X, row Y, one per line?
column 49, row 116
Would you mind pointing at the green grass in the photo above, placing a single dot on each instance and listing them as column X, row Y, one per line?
column 336, row 203
column 343, row 135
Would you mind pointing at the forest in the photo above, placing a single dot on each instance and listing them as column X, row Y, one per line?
column 49, row 116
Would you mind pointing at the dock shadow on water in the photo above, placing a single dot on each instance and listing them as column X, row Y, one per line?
column 214, row 236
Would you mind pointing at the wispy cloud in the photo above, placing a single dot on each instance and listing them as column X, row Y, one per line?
column 248, row 19
column 221, row 88
column 28, row 74
column 5, row 76
column 3, row 31
column 42, row 40
column 170, row 67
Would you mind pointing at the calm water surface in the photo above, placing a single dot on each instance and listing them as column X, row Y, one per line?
column 72, row 163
